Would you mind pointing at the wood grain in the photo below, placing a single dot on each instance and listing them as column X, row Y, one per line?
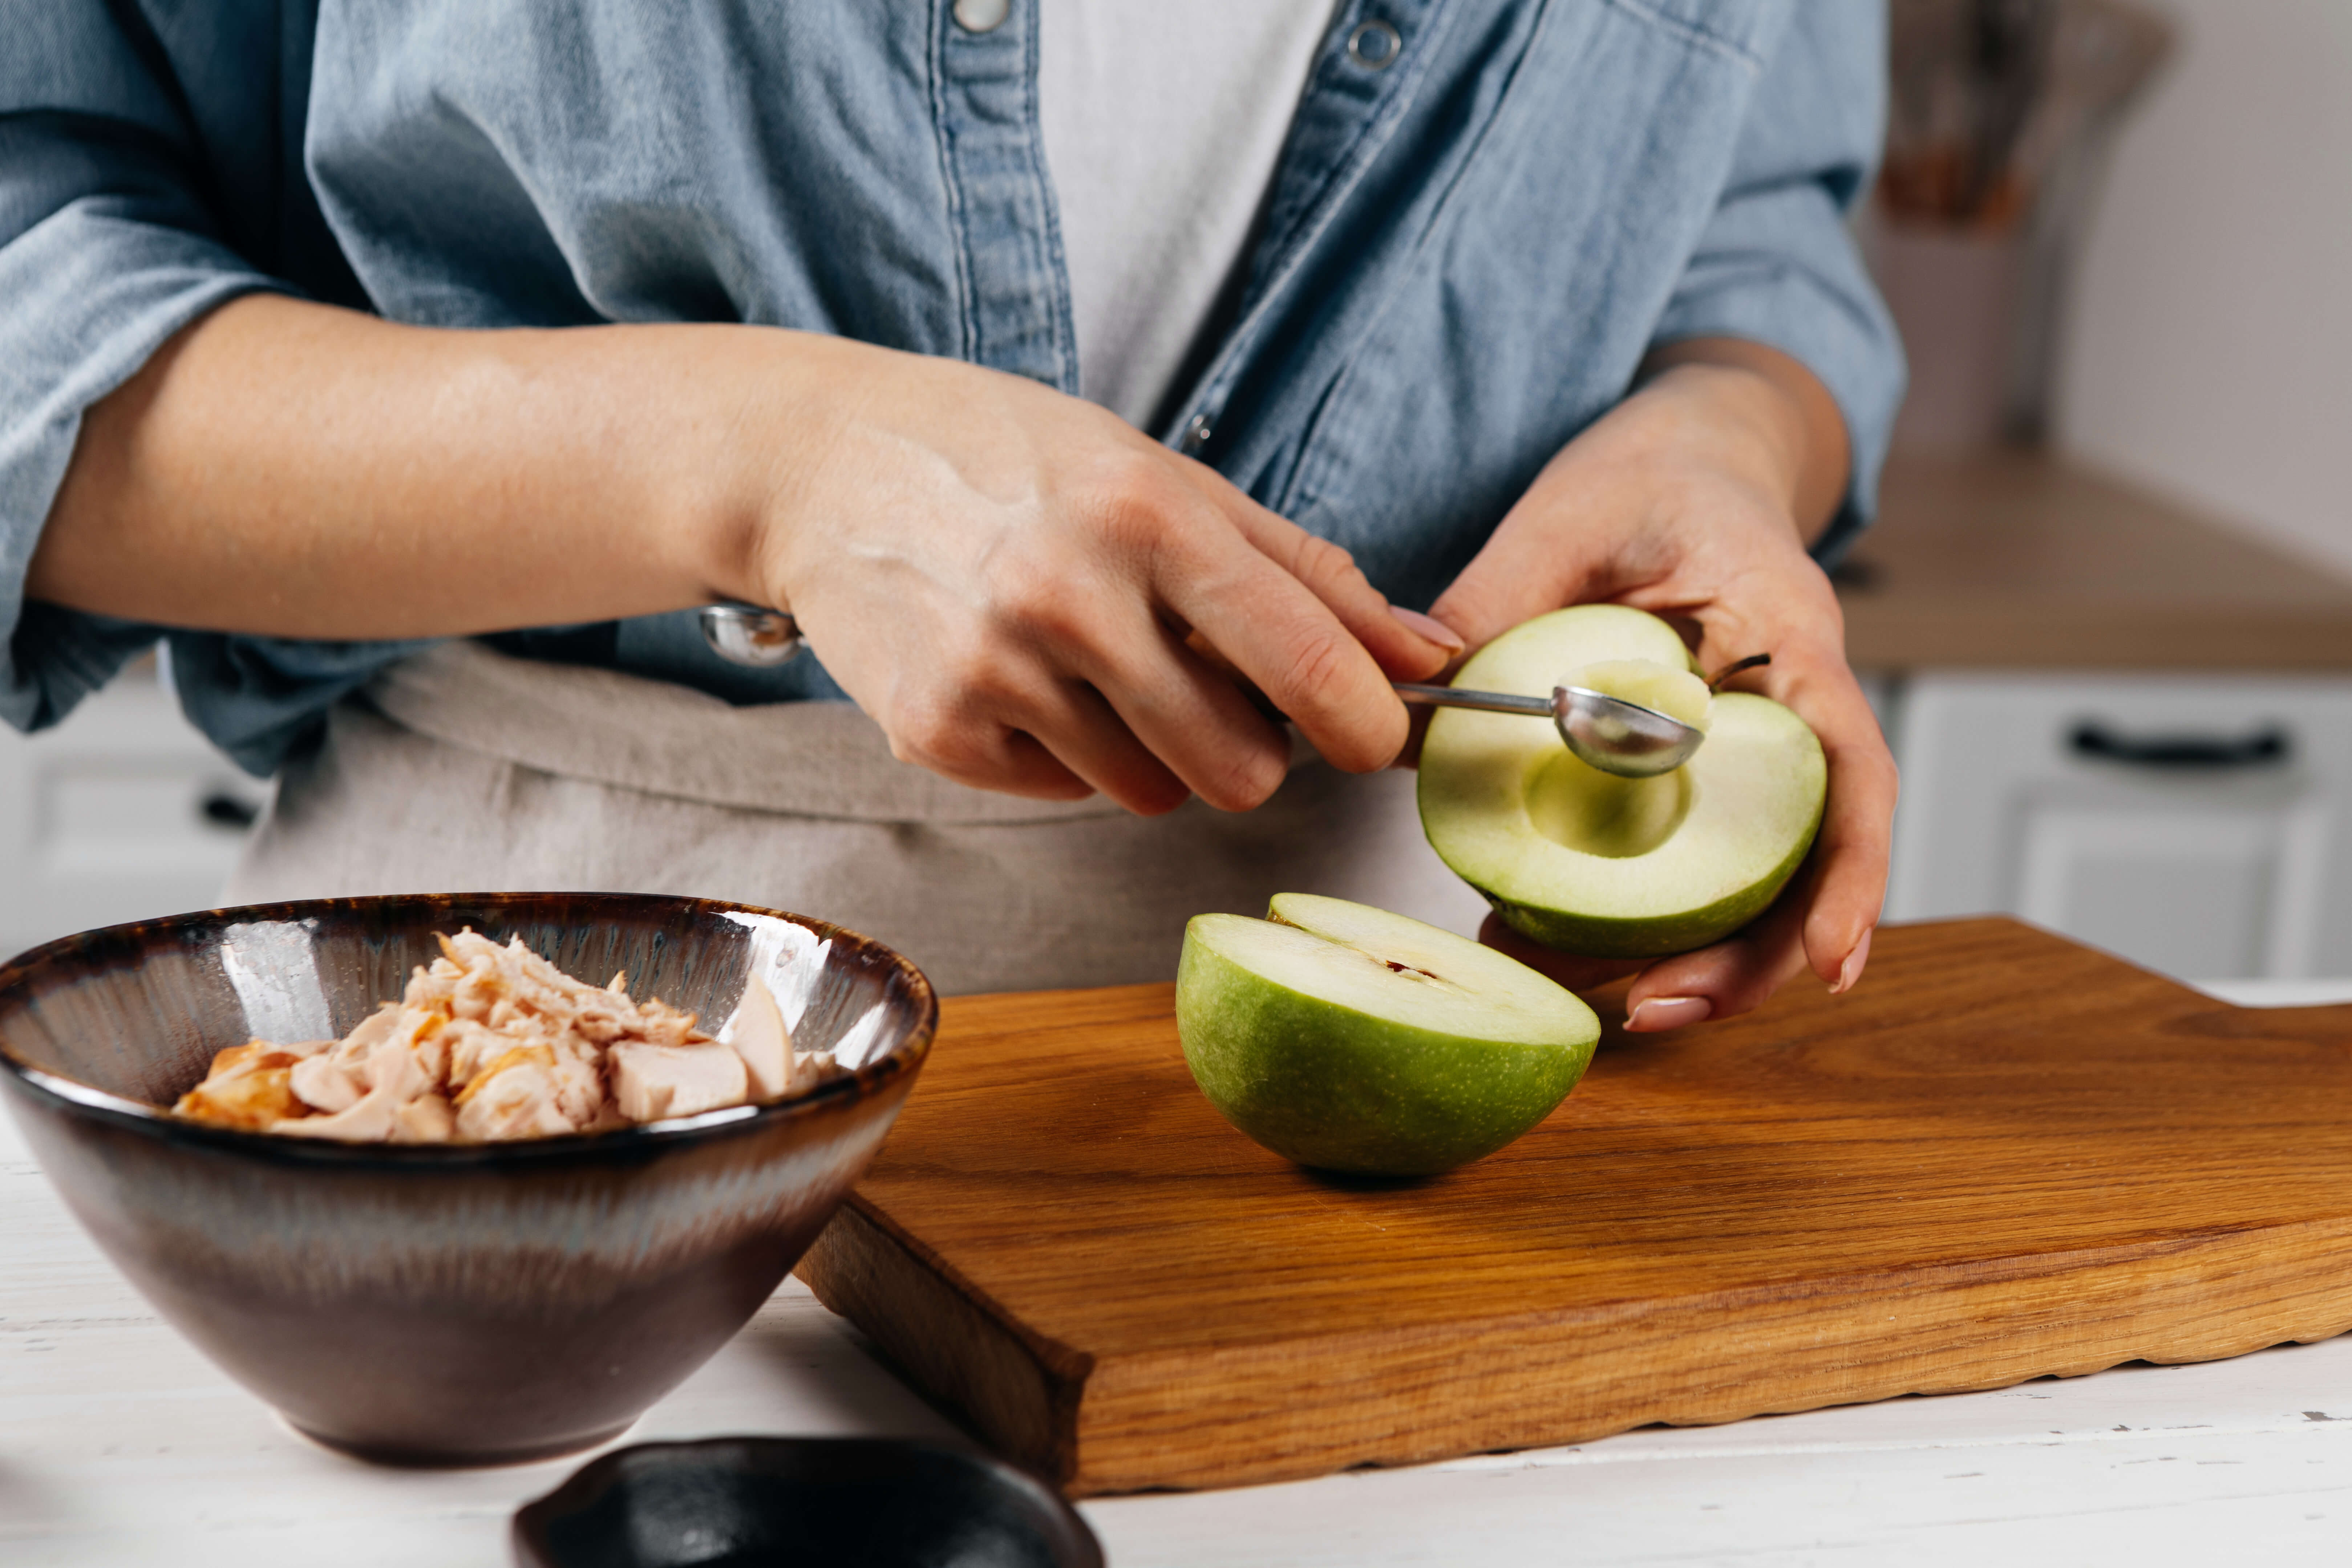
column 2018, row 560
column 2003, row 1156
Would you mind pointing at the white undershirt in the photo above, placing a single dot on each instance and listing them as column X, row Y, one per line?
column 1162, row 120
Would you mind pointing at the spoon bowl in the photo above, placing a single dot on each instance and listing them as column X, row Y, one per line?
column 1621, row 737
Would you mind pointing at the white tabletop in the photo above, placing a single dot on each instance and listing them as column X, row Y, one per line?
column 121, row 1445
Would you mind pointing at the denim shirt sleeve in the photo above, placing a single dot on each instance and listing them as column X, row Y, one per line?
column 105, row 251
column 135, row 195
column 1775, row 263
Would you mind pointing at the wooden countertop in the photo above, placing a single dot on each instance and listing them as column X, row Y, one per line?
column 2024, row 560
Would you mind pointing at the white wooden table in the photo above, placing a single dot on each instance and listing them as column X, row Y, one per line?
column 121, row 1445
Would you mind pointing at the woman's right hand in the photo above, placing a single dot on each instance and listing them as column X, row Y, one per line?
column 1006, row 577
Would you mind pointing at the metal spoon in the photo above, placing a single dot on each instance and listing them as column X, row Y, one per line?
column 1603, row 732
column 746, row 633
column 1607, row 732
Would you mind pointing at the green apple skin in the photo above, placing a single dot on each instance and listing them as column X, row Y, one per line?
column 1341, row 1090
column 1706, row 875
column 1590, row 936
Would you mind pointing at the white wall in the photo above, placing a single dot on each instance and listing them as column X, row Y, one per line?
column 2210, row 350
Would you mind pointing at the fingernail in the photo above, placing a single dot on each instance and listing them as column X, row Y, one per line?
column 1851, row 969
column 1668, row 1012
column 1428, row 628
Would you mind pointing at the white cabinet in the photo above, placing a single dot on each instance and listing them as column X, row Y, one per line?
column 2200, row 826
column 123, row 812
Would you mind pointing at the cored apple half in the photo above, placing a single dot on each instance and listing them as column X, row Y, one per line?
column 1604, row 866
column 1350, row 1038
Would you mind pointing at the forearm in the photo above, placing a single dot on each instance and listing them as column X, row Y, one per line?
column 293, row 469
column 1769, row 415
column 989, row 568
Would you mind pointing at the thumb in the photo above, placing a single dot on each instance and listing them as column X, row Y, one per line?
column 1527, row 567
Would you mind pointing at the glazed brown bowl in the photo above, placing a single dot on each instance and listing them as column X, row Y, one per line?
column 450, row 1304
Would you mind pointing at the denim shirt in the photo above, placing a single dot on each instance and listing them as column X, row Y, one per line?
column 1468, row 246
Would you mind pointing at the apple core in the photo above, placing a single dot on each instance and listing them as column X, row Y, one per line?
column 1579, row 807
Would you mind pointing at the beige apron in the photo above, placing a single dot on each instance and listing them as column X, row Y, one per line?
column 464, row 770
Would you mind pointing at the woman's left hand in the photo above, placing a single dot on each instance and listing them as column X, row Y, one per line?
column 1685, row 500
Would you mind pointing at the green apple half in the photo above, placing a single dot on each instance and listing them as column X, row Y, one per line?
column 1589, row 863
column 1350, row 1038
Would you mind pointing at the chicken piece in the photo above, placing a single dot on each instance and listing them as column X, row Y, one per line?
column 400, row 1046
column 758, row 1035
column 424, row 1120
column 474, row 1046
column 327, row 1084
column 404, row 1066
column 662, row 1024
column 336, row 1078
column 776, row 1067
column 812, row 1067
column 650, row 1081
column 579, row 1087
column 368, row 1120
column 397, row 1075
column 254, row 1056
column 300, row 1049
column 249, row 1086
column 514, row 1097
column 499, row 987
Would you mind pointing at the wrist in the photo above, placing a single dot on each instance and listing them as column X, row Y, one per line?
column 1764, row 415
column 1732, row 422
column 736, row 454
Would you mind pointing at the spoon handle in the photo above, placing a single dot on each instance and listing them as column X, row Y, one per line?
column 1485, row 701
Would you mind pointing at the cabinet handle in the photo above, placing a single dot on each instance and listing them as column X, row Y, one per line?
column 221, row 809
column 2266, row 747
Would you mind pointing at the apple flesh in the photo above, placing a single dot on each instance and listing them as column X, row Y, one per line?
column 1604, row 866
column 1350, row 1038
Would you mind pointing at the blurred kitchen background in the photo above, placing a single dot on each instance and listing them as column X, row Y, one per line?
column 2107, row 616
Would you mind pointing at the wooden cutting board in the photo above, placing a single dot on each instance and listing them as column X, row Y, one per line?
column 2002, row 1156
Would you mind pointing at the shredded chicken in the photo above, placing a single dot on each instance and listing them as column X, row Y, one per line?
column 492, row 1043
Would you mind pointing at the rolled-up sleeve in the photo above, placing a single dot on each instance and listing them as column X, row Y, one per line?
column 150, row 170
column 106, row 250
column 1777, row 264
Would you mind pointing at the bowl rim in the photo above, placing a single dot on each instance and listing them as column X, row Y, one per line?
column 643, row 1140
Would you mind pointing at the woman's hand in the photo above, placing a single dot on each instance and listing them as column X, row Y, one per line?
column 1686, row 500
column 1005, row 579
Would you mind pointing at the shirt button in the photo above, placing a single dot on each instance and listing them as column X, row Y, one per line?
column 1373, row 44
column 981, row 15
column 1197, row 434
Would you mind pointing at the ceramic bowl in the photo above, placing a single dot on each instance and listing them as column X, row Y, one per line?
column 451, row 1304
column 879, row 1502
